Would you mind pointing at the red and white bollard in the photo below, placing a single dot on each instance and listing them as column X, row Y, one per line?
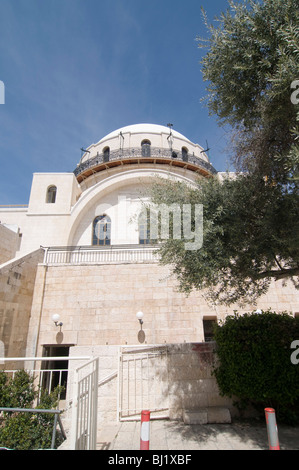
column 272, row 429
column 145, row 430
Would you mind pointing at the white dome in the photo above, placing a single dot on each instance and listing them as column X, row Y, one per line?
column 143, row 144
column 144, row 129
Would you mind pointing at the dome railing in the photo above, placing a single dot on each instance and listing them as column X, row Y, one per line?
column 152, row 153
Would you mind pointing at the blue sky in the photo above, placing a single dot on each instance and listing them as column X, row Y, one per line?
column 75, row 70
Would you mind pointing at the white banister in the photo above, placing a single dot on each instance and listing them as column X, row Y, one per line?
column 98, row 255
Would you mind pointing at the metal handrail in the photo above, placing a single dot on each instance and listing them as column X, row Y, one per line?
column 57, row 419
column 136, row 152
column 98, row 254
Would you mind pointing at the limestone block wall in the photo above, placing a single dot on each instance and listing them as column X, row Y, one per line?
column 17, row 280
column 191, row 383
column 107, row 389
column 98, row 304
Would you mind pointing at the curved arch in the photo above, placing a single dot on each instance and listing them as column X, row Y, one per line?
column 118, row 180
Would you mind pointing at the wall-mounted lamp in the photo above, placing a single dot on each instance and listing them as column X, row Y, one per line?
column 56, row 319
column 139, row 316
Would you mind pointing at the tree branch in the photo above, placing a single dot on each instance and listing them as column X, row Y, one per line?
column 281, row 274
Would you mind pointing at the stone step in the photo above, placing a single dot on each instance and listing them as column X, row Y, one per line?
column 208, row 415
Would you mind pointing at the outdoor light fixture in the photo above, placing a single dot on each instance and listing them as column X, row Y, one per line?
column 139, row 316
column 56, row 319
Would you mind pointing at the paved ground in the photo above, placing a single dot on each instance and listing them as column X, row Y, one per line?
column 172, row 435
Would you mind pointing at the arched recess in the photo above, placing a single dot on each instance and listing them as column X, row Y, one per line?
column 117, row 182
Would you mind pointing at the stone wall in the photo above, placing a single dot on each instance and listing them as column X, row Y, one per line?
column 17, row 279
column 191, row 383
column 98, row 304
column 183, row 380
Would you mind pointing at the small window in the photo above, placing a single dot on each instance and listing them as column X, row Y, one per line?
column 106, row 154
column 184, row 154
column 101, row 234
column 174, row 155
column 146, row 148
column 51, row 195
column 208, row 328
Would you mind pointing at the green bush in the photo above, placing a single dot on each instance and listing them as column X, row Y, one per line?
column 254, row 362
column 26, row 431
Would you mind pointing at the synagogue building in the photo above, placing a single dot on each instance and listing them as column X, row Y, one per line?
column 80, row 277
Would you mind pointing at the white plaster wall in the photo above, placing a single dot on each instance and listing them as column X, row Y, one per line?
column 68, row 221
column 119, row 195
column 114, row 191
column 67, row 190
column 123, row 206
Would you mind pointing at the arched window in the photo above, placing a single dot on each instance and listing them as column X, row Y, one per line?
column 146, row 148
column 101, row 231
column 184, row 154
column 144, row 228
column 51, row 195
column 106, row 154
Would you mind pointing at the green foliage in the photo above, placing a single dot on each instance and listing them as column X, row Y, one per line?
column 251, row 223
column 17, row 392
column 252, row 55
column 25, row 431
column 250, row 233
column 254, row 361
column 251, row 61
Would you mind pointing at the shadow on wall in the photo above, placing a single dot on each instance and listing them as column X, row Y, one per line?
column 141, row 336
column 191, row 384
